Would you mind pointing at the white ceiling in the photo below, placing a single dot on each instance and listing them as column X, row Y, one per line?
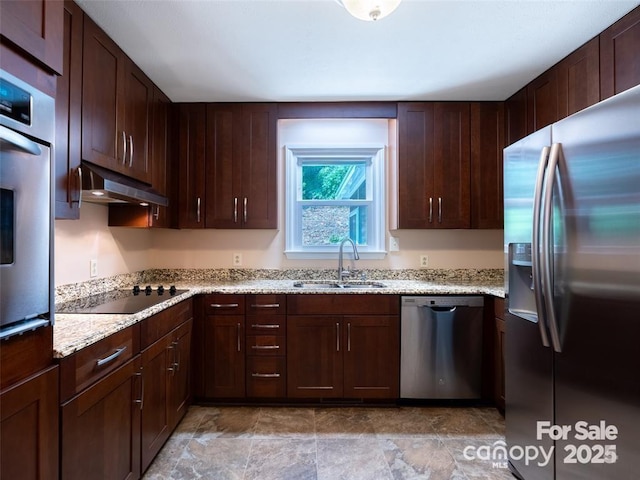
column 313, row 50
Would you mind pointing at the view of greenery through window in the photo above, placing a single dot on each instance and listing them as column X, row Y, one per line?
column 329, row 188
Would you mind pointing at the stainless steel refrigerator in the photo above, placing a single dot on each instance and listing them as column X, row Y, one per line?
column 572, row 258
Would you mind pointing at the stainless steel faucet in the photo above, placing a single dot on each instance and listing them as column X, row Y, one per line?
column 342, row 273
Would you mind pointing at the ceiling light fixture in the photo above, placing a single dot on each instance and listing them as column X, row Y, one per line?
column 369, row 10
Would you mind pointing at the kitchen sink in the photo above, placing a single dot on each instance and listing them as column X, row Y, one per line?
column 321, row 285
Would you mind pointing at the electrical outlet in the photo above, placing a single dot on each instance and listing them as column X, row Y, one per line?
column 424, row 261
column 93, row 267
column 237, row 259
column 394, row 244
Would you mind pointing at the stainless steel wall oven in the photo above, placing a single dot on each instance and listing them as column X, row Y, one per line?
column 27, row 118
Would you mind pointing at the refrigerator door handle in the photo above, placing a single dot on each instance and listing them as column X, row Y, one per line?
column 535, row 247
column 548, row 246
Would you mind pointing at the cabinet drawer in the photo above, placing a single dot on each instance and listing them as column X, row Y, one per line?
column 332, row 304
column 265, row 305
column 157, row 326
column 266, row 377
column 266, row 345
column 85, row 367
column 266, row 325
column 223, row 304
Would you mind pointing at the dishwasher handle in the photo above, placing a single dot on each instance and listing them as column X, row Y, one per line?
column 441, row 309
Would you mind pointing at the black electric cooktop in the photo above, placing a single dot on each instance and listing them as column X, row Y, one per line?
column 120, row 301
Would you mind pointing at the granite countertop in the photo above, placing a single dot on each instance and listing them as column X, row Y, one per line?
column 73, row 332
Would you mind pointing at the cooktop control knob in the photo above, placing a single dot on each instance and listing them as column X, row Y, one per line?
column 136, row 289
column 172, row 290
column 147, row 290
column 160, row 289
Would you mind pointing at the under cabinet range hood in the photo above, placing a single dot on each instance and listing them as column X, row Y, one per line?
column 100, row 185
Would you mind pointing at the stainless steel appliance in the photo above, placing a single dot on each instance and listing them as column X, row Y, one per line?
column 572, row 245
column 441, row 347
column 27, row 119
column 120, row 301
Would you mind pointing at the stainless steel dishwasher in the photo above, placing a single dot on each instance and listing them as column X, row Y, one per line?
column 441, row 347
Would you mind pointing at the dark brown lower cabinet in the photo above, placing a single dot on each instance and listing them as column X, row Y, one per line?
column 343, row 346
column 29, row 428
column 166, row 383
column 224, row 356
column 314, row 356
column 499, row 351
column 100, row 433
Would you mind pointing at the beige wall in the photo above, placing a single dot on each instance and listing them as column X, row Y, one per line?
column 122, row 250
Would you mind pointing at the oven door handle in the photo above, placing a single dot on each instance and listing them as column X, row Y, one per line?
column 23, row 143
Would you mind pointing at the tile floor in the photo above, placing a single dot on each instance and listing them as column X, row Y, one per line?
column 362, row 443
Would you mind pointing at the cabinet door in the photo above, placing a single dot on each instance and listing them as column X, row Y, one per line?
column 224, row 356
column 29, row 428
column 415, row 165
column 371, row 356
column 579, row 79
column 314, row 356
column 259, row 195
column 542, row 100
column 138, row 95
column 100, row 435
column 223, row 173
column 103, row 140
column 159, row 155
column 451, row 174
column 36, row 27
column 68, row 117
column 180, row 378
column 499, row 361
column 620, row 55
column 191, row 165
column 516, row 116
column 157, row 366
column 487, row 143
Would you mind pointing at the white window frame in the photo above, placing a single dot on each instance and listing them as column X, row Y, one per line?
column 374, row 156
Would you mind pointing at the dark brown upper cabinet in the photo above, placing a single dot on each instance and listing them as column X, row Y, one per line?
column 433, row 165
column 542, row 101
column 620, row 55
column 36, row 27
column 116, row 104
column 487, row 143
column 241, row 164
column 578, row 78
column 68, row 117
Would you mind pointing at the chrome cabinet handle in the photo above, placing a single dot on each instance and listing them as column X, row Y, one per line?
column 439, row 209
column 224, row 305
column 265, row 375
column 131, row 151
column 238, row 337
column 157, row 214
column 430, row 209
column 265, row 347
column 79, row 187
column 110, row 358
column 337, row 337
column 245, row 209
column 198, row 209
column 264, row 325
column 172, row 367
column 265, row 305
column 124, row 148
column 140, row 401
column 235, row 209
column 349, row 337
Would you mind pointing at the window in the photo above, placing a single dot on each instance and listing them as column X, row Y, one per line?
column 333, row 193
